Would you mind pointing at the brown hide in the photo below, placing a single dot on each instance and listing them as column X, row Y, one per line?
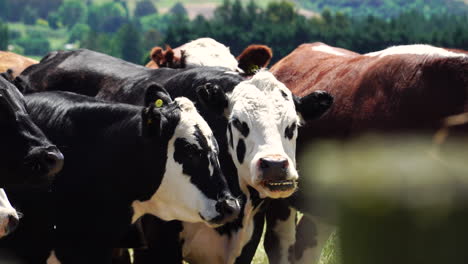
column 15, row 62
column 396, row 93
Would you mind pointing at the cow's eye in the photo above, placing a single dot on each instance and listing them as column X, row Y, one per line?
column 236, row 122
column 289, row 131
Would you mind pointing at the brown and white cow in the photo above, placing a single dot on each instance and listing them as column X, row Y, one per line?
column 409, row 88
column 209, row 52
column 14, row 62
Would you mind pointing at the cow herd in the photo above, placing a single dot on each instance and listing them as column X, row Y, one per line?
column 192, row 156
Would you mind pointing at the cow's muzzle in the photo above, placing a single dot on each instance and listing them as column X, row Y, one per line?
column 8, row 225
column 46, row 161
column 275, row 173
column 228, row 209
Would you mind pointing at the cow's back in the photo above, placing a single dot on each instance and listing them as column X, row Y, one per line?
column 15, row 62
column 401, row 92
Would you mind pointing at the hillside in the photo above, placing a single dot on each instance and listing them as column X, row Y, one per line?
column 380, row 8
column 386, row 8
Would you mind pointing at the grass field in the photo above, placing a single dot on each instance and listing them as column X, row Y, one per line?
column 330, row 254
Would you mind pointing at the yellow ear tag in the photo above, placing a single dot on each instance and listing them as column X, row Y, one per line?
column 158, row 103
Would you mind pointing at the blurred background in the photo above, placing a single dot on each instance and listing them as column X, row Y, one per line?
column 130, row 28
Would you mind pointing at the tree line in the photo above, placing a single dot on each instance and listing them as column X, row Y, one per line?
column 111, row 28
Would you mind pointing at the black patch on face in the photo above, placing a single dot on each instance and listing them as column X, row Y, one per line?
column 241, row 126
column 240, row 151
column 284, row 95
column 231, row 142
column 195, row 162
column 289, row 131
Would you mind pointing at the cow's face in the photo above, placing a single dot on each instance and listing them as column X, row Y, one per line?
column 262, row 131
column 193, row 188
column 26, row 155
column 8, row 215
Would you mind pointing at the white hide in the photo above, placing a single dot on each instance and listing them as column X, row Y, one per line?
column 176, row 197
column 328, row 49
column 6, row 210
column 417, row 49
column 260, row 103
column 209, row 52
column 203, row 244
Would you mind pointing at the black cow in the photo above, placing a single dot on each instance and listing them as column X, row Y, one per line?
column 27, row 156
column 255, row 122
column 123, row 161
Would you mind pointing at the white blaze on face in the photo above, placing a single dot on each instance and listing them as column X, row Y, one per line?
column 6, row 210
column 418, row 49
column 266, row 106
column 177, row 197
column 328, row 49
column 209, row 52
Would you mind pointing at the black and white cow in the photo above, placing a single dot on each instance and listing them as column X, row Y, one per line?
column 254, row 120
column 124, row 161
column 26, row 157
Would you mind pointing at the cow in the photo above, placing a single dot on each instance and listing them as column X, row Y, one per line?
column 408, row 88
column 254, row 120
column 124, row 161
column 27, row 156
column 14, row 62
column 209, row 52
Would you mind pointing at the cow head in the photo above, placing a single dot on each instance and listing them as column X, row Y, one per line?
column 193, row 188
column 263, row 117
column 27, row 156
column 8, row 215
column 167, row 58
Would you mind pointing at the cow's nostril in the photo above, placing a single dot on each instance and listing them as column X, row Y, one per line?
column 267, row 163
column 12, row 223
column 54, row 162
column 229, row 209
column 263, row 163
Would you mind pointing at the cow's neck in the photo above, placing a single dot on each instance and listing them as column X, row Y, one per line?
column 224, row 245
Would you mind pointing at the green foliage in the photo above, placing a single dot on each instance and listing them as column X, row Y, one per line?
column 42, row 22
column 17, row 8
column 129, row 39
column 386, row 8
column 54, row 20
column 108, row 17
column 3, row 36
column 155, row 21
column 34, row 45
column 4, row 8
column 72, row 12
column 79, row 32
column 150, row 39
column 29, row 15
column 144, row 8
column 178, row 9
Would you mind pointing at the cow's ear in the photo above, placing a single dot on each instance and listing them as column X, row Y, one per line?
column 253, row 58
column 153, row 122
column 157, row 55
column 169, row 54
column 314, row 105
column 8, row 75
column 154, row 92
column 212, row 97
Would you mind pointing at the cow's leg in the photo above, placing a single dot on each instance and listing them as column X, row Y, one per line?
column 162, row 242
column 80, row 255
column 311, row 236
column 280, row 233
